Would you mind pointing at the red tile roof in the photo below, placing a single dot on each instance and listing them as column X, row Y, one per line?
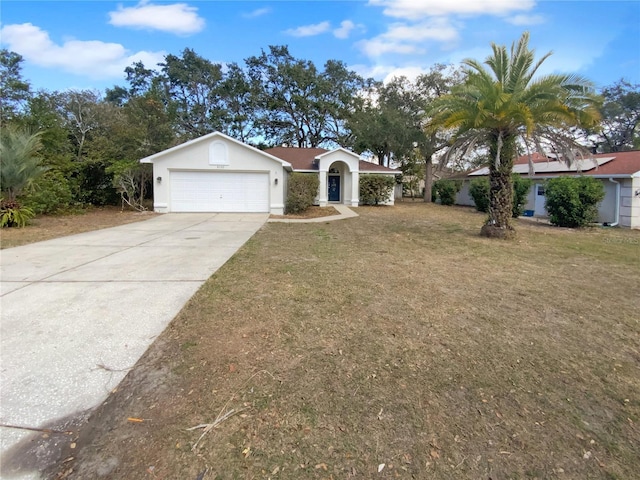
column 304, row 159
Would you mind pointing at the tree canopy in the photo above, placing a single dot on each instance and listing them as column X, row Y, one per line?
column 15, row 90
column 620, row 117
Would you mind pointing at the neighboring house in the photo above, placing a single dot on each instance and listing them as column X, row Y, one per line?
column 619, row 173
column 216, row 173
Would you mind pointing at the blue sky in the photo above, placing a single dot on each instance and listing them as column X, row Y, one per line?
column 87, row 44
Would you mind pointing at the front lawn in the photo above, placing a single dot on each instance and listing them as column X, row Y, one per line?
column 399, row 344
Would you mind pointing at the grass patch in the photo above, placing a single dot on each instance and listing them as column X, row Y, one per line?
column 46, row 227
column 400, row 337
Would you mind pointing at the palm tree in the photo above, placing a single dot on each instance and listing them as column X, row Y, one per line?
column 506, row 109
column 19, row 162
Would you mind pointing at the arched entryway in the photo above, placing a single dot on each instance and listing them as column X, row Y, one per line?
column 339, row 177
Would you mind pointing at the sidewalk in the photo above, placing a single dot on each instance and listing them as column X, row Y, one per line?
column 345, row 212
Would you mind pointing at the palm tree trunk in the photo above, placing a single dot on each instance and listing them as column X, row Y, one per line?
column 501, row 189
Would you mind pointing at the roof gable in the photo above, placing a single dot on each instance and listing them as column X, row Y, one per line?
column 210, row 137
column 339, row 149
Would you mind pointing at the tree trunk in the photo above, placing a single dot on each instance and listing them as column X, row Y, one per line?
column 428, row 179
column 501, row 189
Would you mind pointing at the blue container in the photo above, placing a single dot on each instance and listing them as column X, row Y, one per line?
column 528, row 213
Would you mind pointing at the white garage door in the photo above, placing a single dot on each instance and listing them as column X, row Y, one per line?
column 219, row 192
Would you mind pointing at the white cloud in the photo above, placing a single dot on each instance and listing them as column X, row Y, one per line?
column 345, row 29
column 376, row 47
column 258, row 12
column 415, row 9
column 411, row 72
column 374, row 71
column 405, row 39
column 93, row 58
column 386, row 73
column 177, row 18
column 309, row 30
column 524, row 20
column 438, row 29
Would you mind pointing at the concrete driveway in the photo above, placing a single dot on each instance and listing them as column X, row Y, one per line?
column 79, row 311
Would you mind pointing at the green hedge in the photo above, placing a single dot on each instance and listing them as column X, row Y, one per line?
column 479, row 191
column 446, row 190
column 302, row 190
column 573, row 201
column 521, row 187
column 375, row 189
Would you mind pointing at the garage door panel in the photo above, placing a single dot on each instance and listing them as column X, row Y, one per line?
column 219, row 192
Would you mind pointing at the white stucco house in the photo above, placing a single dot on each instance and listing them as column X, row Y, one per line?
column 217, row 173
column 619, row 173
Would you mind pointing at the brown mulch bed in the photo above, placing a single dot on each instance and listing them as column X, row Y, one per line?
column 311, row 212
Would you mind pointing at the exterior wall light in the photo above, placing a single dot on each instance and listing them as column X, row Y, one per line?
column 159, row 179
column 275, row 181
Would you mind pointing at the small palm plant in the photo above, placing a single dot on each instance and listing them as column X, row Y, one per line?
column 506, row 107
column 19, row 168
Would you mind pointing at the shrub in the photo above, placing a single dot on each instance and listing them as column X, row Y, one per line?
column 573, row 201
column 51, row 193
column 12, row 214
column 302, row 190
column 20, row 164
column 446, row 190
column 375, row 189
column 95, row 184
column 479, row 191
column 521, row 187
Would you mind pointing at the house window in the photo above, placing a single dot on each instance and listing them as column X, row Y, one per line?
column 334, row 170
column 540, row 190
column 218, row 154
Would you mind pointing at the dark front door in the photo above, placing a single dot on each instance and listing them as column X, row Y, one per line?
column 334, row 188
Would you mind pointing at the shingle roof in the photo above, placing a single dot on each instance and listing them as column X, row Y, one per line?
column 299, row 158
column 303, row 159
column 600, row 164
column 374, row 167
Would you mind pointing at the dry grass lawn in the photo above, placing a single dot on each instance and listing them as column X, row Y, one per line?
column 399, row 344
column 46, row 227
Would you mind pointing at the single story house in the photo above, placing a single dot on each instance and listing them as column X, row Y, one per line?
column 339, row 172
column 619, row 173
column 217, row 173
